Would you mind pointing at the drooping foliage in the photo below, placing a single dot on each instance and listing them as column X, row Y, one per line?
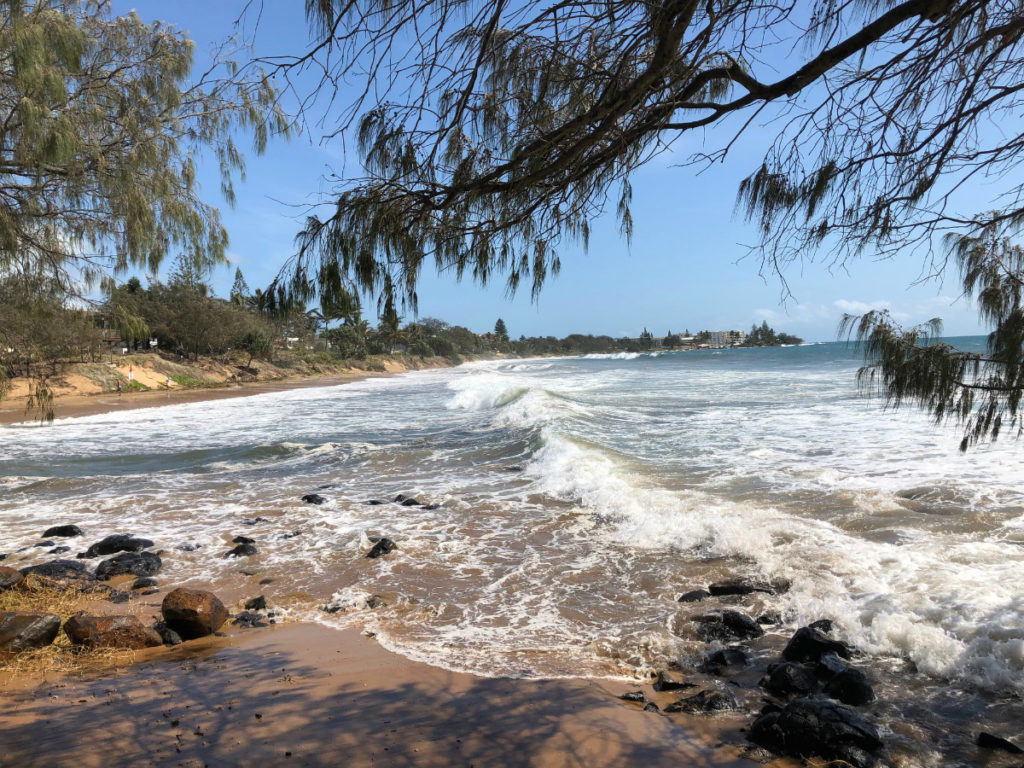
column 101, row 129
column 980, row 391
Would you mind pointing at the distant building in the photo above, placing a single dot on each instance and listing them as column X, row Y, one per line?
column 726, row 338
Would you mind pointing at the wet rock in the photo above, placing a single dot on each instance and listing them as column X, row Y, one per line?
column 118, row 542
column 188, row 547
column 400, row 498
column 726, row 657
column 809, row 727
column 256, row 604
column 790, row 679
column 766, row 619
column 727, row 626
column 737, row 587
column 45, row 544
column 637, row 696
column 670, row 681
column 822, row 625
column 59, row 550
column 135, row 563
column 63, row 531
column 193, row 612
column 255, row 520
column 249, row 620
column 242, row 550
column 167, row 635
column 811, row 644
column 313, row 498
column 243, row 540
column 291, row 535
column 144, row 583
column 991, row 741
column 375, row 502
column 383, row 546
column 59, row 569
column 125, row 632
column 432, row 506
column 850, row 686
column 118, row 596
column 650, row 706
column 375, row 601
column 3, row 557
column 830, row 665
column 264, row 582
column 704, row 702
column 23, row 630
column 9, row 577
column 694, row 596
column 411, row 503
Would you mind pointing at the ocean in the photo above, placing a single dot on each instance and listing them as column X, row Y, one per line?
column 566, row 503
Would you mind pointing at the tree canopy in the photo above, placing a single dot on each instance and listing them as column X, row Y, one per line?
column 102, row 124
column 491, row 132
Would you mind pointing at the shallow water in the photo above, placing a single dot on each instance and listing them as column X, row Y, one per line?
column 578, row 498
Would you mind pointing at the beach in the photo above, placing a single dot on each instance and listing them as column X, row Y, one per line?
column 563, row 530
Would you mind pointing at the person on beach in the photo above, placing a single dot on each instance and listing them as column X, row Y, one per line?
column 119, row 386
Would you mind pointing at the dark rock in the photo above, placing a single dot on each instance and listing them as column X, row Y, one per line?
column 150, row 592
column 135, row 563
column 769, row 618
column 991, row 741
column 694, row 596
column 59, row 550
column 383, row 546
column 21, row 631
column 400, row 498
column 850, row 686
column 243, row 540
column 650, row 706
column 411, row 503
column 144, row 583
column 250, row 620
column 256, row 604
column 729, row 625
column 110, row 632
column 9, row 577
column 313, row 498
column 822, row 625
column 119, row 596
column 168, row 635
column 45, row 544
column 432, row 506
column 188, row 547
column 669, row 681
column 64, row 531
column 737, row 587
column 809, row 727
column 790, row 679
column 375, row 502
column 242, row 550
column 264, row 582
column 375, row 601
column 255, row 520
column 291, row 535
column 704, row 702
column 59, row 569
column 3, row 557
column 637, row 696
column 811, row 644
column 726, row 657
column 193, row 612
column 830, row 665
column 119, row 542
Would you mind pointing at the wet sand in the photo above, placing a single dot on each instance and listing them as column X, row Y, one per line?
column 12, row 411
column 305, row 695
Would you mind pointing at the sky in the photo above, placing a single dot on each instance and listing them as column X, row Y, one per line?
column 687, row 267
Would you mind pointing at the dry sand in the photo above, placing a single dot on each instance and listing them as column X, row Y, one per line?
column 305, row 695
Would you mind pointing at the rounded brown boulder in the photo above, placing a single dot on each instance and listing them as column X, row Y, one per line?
column 193, row 612
column 9, row 577
column 21, row 631
column 110, row 632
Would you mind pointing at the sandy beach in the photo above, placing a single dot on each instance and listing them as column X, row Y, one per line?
column 301, row 694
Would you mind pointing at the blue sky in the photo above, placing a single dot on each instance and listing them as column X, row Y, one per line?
column 686, row 266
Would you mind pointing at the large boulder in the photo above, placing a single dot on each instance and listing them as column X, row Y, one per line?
column 9, row 577
column 790, row 679
column 850, row 686
column 118, row 542
column 242, row 550
column 21, row 631
column 110, row 632
column 810, row 644
column 63, row 530
column 193, row 612
column 808, row 727
column 383, row 546
column 727, row 626
column 737, row 587
column 135, row 563
column 59, row 569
